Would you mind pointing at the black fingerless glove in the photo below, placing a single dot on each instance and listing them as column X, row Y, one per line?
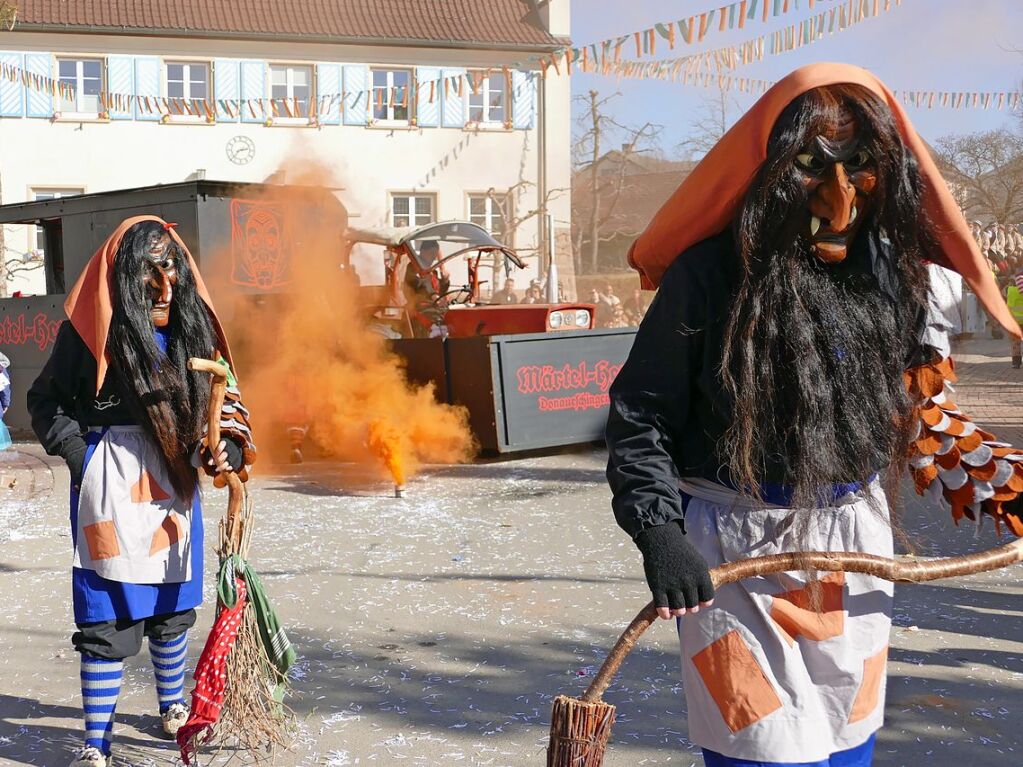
column 73, row 450
column 675, row 571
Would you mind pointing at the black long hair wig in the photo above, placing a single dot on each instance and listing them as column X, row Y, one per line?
column 815, row 353
column 169, row 401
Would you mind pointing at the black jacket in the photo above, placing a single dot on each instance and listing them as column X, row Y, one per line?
column 63, row 402
column 667, row 408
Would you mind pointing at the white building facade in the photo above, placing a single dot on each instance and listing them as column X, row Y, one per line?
column 412, row 130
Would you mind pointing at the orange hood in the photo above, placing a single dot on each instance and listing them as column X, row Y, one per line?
column 90, row 304
column 709, row 199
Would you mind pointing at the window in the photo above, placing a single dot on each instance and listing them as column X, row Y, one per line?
column 39, row 233
column 485, row 210
column 290, row 90
column 391, row 95
column 188, row 87
column 488, row 102
column 411, row 209
column 85, row 77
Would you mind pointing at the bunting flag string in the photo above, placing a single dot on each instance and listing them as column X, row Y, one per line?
column 921, row 99
column 694, row 28
column 837, row 19
column 710, row 68
column 423, row 91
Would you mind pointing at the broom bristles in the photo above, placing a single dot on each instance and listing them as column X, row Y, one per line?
column 251, row 720
column 579, row 732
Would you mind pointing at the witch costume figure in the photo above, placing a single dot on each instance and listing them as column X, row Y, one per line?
column 790, row 369
column 118, row 404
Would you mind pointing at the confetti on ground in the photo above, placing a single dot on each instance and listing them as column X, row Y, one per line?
column 437, row 628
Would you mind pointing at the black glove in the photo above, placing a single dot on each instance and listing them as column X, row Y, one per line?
column 73, row 450
column 235, row 459
column 676, row 572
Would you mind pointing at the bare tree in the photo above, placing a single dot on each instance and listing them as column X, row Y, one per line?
column 985, row 171
column 12, row 266
column 506, row 202
column 712, row 120
column 3, row 246
column 604, row 173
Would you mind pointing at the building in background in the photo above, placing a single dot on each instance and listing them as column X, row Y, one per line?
column 613, row 200
column 419, row 110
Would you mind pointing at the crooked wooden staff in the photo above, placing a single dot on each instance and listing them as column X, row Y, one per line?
column 233, row 532
column 580, row 727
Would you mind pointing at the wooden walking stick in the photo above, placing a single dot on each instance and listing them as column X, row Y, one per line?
column 233, row 527
column 580, row 727
column 241, row 675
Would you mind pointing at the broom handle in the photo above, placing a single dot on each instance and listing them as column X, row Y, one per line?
column 843, row 561
column 234, row 485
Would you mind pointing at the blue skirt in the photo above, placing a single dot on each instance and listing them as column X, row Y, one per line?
column 861, row 756
column 97, row 599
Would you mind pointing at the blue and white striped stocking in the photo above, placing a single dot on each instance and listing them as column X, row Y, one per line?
column 101, row 684
column 169, row 667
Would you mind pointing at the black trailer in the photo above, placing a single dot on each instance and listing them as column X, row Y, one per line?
column 237, row 233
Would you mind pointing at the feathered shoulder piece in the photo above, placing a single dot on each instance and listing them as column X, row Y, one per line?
column 954, row 458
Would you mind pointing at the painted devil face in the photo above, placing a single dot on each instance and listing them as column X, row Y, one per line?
column 839, row 175
column 262, row 241
column 160, row 276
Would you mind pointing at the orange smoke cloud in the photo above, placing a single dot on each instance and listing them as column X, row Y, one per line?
column 307, row 358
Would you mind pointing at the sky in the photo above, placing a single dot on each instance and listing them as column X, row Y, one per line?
column 921, row 45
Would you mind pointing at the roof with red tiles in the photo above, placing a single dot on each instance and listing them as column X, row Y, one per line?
column 455, row 23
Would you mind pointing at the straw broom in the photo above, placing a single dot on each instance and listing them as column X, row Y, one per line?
column 251, row 718
column 580, row 727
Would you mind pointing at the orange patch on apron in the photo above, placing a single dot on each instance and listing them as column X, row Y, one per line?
column 736, row 681
column 102, row 540
column 870, row 687
column 167, row 534
column 794, row 614
column 148, row 490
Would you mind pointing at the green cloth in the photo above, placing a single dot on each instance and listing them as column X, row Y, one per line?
column 231, row 380
column 275, row 640
column 1014, row 299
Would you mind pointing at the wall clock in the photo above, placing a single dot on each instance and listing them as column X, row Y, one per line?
column 241, row 150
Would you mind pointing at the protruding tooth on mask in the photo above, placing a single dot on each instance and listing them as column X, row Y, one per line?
column 815, row 225
column 852, row 216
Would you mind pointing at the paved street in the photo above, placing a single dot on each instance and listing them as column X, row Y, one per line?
column 436, row 629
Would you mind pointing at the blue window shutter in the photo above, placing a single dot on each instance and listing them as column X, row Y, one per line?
column 523, row 99
column 147, row 84
column 357, row 94
column 39, row 103
column 428, row 112
column 453, row 101
column 328, row 93
column 12, row 95
column 225, row 88
column 120, row 82
column 253, row 87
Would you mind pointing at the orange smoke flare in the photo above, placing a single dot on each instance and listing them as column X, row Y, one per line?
column 307, row 358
